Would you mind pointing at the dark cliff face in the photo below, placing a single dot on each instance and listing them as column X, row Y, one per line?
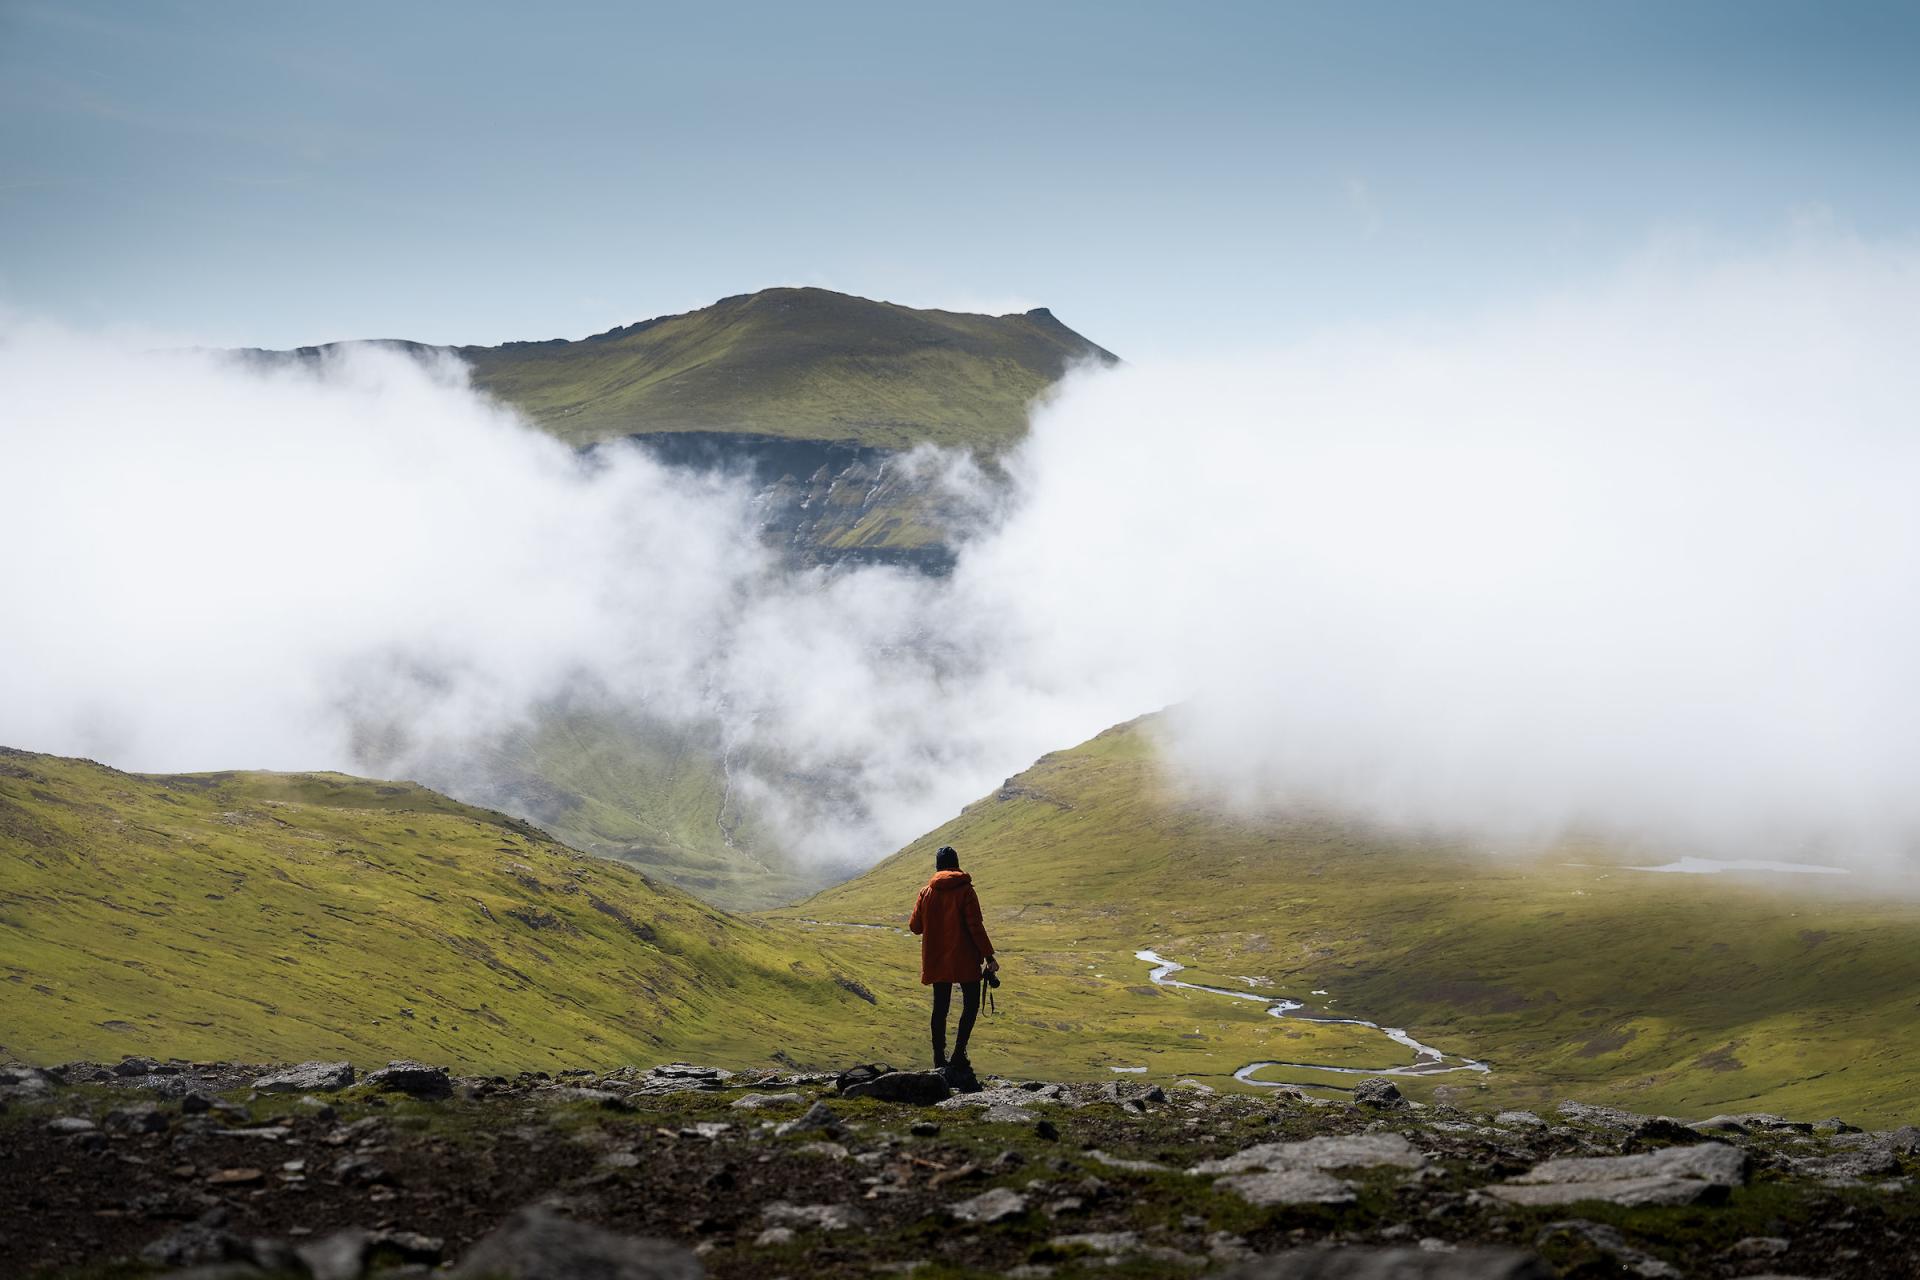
column 824, row 502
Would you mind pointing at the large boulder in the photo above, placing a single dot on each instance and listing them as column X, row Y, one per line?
column 1356, row 1151
column 1676, row 1175
column 990, row 1206
column 308, row 1077
column 415, row 1079
column 536, row 1244
column 862, row 1074
column 819, row 1118
column 1357, row 1263
column 1288, row 1186
column 1378, row 1092
column 917, row 1088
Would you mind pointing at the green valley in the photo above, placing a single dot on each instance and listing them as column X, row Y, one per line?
column 1689, row 994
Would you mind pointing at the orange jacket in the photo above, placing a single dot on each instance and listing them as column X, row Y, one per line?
column 953, row 939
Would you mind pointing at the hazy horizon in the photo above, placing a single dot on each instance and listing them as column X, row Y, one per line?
column 1169, row 182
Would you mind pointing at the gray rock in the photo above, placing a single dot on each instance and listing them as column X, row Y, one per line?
column 1359, row 1263
column 536, row 1244
column 1718, row 1124
column 340, row 1256
column 69, row 1124
column 1868, row 1162
column 1378, row 1092
column 916, row 1088
column 415, row 1079
column 412, row 1246
column 757, row 1101
column 990, row 1206
column 308, row 1077
column 1358, row 1151
column 598, row 1097
column 1011, row 1097
column 1109, row 1242
column 1676, row 1175
column 196, row 1245
column 825, row 1150
column 1609, row 1241
column 1132, row 1166
column 1760, row 1246
column 360, row 1171
column 774, row 1236
column 1005, row 1114
column 1902, row 1141
column 820, row 1217
column 1288, row 1186
column 140, row 1118
column 819, row 1118
column 24, row 1080
column 1519, row 1120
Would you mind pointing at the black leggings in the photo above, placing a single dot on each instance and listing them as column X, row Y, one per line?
column 969, row 1010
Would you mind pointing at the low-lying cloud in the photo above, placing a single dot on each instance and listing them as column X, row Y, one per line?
column 1641, row 560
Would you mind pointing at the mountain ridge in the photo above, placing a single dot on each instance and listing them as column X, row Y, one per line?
column 786, row 362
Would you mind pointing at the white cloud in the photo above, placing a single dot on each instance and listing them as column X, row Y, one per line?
column 1643, row 559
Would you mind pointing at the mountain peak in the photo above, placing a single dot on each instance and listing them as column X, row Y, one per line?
column 797, row 362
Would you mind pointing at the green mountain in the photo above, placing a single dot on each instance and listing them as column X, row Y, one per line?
column 1684, row 993
column 803, row 364
column 783, row 364
column 813, row 396
column 274, row 916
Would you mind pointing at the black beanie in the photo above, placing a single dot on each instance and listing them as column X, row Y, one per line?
column 946, row 859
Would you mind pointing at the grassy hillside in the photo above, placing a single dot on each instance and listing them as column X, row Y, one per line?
column 274, row 916
column 1686, row 993
column 796, row 364
column 799, row 363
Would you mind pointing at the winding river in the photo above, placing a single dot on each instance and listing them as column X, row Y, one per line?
column 1428, row 1061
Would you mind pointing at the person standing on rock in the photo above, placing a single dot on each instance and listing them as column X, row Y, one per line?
column 954, row 948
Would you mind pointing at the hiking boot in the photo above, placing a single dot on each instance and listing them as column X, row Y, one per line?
column 960, row 1077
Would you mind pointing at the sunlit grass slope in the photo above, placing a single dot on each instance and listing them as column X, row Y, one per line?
column 285, row 916
column 802, row 363
column 1688, row 994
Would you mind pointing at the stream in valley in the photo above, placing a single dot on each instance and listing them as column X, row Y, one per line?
column 1427, row 1061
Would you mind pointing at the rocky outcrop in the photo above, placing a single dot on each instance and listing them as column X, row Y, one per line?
column 916, row 1088
column 1676, row 1175
column 196, row 1168
column 308, row 1077
column 535, row 1244
column 415, row 1079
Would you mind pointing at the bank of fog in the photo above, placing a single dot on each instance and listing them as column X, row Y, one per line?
column 1638, row 561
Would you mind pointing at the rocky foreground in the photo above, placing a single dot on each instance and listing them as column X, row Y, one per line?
column 217, row 1169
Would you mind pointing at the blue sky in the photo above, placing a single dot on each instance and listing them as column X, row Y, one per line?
column 1169, row 178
